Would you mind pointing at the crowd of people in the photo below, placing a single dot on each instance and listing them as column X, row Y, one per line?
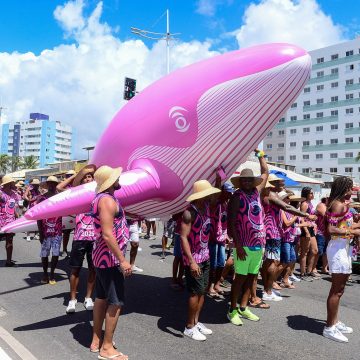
column 251, row 229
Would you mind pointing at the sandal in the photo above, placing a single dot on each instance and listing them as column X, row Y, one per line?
column 287, row 286
column 113, row 356
column 260, row 305
column 214, row 295
column 96, row 350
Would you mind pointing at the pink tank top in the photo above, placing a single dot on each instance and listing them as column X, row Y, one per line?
column 219, row 223
column 84, row 228
column 250, row 219
column 53, row 226
column 272, row 221
column 199, row 236
column 102, row 256
column 8, row 204
column 320, row 222
column 341, row 221
column 34, row 195
column 288, row 232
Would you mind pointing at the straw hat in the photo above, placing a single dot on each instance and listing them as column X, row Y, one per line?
column 52, row 179
column 7, row 179
column 71, row 172
column 35, row 182
column 246, row 173
column 273, row 177
column 296, row 198
column 105, row 177
column 87, row 169
column 268, row 185
column 284, row 194
column 201, row 189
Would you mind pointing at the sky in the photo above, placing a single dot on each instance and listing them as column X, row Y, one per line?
column 68, row 59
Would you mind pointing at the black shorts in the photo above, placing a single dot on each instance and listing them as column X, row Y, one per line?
column 109, row 285
column 79, row 249
column 311, row 232
column 198, row 286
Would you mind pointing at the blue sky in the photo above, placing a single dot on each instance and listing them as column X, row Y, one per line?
column 30, row 25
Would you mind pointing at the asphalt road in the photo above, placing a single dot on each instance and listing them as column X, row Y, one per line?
column 151, row 325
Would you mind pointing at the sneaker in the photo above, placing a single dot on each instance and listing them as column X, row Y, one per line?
column 294, row 278
column 139, row 249
column 271, row 297
column 134, row 268
column 203, row 329
column 334, row 334
column 146, row 236
column 194, row 334
column 343, row 328
column 306, row 278
column 89, row 304
column 247, row 314
column 10, row 264
column 315, row 276
column 276, row 292
column 71, row 307
column 234, row 317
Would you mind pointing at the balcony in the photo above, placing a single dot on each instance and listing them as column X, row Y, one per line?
column 352, row 131
column 332, row 104
column 339, row 61
column 352, row 87
column 347, row 161
column 311, row 121
column 333, row 147
column 319, row 79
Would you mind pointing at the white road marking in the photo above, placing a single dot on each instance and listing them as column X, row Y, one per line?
column 3, row 355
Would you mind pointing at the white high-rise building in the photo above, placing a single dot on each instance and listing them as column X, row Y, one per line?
column 320, row 133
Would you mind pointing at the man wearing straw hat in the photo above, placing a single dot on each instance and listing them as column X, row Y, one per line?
column 195, row 232
column 30, row 196
column 9, row 200
column 246, row 227
column 50, row 235
column 109, row 261
column 82, row 245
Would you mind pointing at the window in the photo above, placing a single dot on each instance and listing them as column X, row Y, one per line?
column 319, row 60
column 319, row 114
column 294, row 105
column 280, row 158
column 292, row 131
column 334, row 127
column 349, row 125
column 349, row 111
column 349, row 96
column 292, row 144
column 334, row 141
column 333, row 170
column 306, row 116
column 282, row 120
column 269, row 146
column 320, row 87
column 307, row 103
column 292, row 157
column 334, row 71
column 349, row 53
column 319, row 169
column 350, row 82
column 281, row 132
column 306, row 157
column 293, row 118
column 319, row 101
column 306, row 170
column 349, row 140
column 319, row 142
column 334, row 57
column 306, row 130
column 334, row 98
column 306, row 90
column 319, row 74
column 281, row 145
column 318, row 156
column 349, row 155
column 333, row 156
column 348, row 169
column 269, row 134
column 350, row 67
column 334, row 112
column 319, row 128
column 306, row 143
column 334, row 85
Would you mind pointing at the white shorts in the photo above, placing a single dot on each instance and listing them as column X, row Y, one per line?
column 339, row 256
column 51, row 243
column 134, row 233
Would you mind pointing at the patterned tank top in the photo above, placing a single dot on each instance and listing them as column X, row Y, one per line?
column 341, row 221
column 53, row 226
column 8, row 206
column 288, row 232
column 219, row 223
column 199, row 236
column 272, row 221
column 34, row 195
column 102, row 256
column 84, row 228
column 249, row 222
column 320, row 223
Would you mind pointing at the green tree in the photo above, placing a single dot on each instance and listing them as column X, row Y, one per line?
column 15, row 163
column 358, row 157
column 30, row 162
column 4, row 163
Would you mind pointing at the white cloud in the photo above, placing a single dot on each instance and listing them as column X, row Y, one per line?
column 301, row 22
column 82, row 83
column 209, row 7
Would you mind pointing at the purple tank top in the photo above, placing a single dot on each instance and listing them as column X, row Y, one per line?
column 199, row 236
column 51, row 227
column 219, row 223
column 249, row 222
column 102, row 256
column 8, row 204
column 272, row 221
column 288, row 232
column 34, row 195
column 320, row 222
column 84, row 228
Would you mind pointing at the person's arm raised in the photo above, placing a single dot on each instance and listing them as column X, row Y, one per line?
column 65, row 183
column 264, row 170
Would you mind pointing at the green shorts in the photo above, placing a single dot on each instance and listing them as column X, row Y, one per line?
column 251, row 265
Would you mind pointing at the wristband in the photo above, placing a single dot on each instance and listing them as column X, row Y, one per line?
column 260, row 154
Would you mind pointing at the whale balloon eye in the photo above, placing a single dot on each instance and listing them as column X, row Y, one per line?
column 180, row 120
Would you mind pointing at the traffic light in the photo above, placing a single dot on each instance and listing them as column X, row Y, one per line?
column 129, row 88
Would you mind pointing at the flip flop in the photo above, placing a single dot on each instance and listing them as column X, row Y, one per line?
column 260, row 305
column 110, row 357
column 97, row 349
column 285, row 286
column 214, row 295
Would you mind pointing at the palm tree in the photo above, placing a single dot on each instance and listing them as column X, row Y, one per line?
column 15, row 163
column 30, row 162
column 358, row 157
column 4, row 163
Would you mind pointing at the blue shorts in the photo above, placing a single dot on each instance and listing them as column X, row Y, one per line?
column 288, row 254
column 217, row 255
column 272, row 249
column 177, row 245
column 321, row 243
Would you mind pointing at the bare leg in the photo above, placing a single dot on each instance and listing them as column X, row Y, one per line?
column 228, row 266
column 133, row 252
column 271, row 275
column 180, row 273
column 66, row 238
column 74, row 282
column 200, row 305
column 218, row 273
column 164, row 241
column 313, row 255
column 325, row 267
column 45, row 266
column 54, row 261
column 236, row 287
column 304, row 250
column 98, row 317
column 90, row 282
column 153, row 223
column 192, row 310
column 246, row 290
column 9, row 248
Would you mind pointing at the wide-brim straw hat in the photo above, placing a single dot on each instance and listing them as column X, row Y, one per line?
column 202, row 189
column 35, row 182
column 50, row 179
column 273, row 177
column 296, row 198
column 246, row 173
column 7, row 179
column 87, row 169
column 105, row 177
column 71, row 172
column 268, row 185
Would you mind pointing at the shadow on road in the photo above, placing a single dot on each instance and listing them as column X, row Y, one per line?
column 301, row 322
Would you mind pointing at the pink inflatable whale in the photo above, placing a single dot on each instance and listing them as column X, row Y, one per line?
column 183, row 126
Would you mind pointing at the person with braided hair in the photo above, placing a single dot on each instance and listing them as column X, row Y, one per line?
column 342, row 230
